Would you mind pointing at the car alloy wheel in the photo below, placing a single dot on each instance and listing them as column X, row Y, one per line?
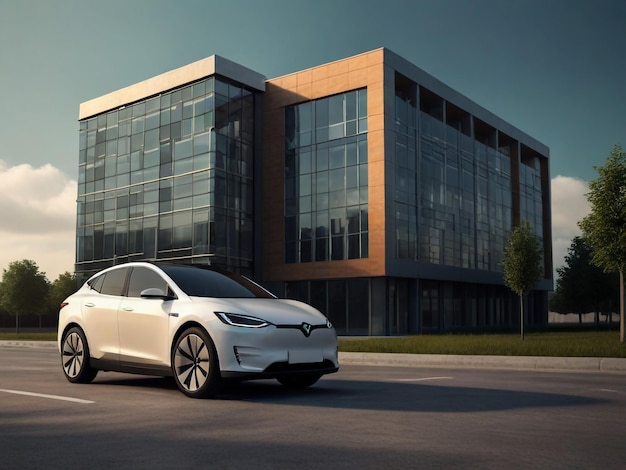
column 194, row 364
column 75, row 357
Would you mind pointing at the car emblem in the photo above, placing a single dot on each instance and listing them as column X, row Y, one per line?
column 306, row 329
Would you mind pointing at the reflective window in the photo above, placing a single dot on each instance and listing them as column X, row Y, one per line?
column 159, row 151
column 212, row 282
column 144, row 278
column 114, row 280
column 326, row 179
column 464, row 197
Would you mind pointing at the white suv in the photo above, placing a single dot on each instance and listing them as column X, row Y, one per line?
column 196, row 323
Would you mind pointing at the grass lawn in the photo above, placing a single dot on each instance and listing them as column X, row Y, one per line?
column 565, row 343
column 576, row 343
column 28, row 336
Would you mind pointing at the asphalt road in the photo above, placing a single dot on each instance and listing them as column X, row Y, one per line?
column 362, row 417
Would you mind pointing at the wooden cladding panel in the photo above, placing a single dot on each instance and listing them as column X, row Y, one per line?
column 363, row 71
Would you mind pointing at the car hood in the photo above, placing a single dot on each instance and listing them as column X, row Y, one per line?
column 276, row 311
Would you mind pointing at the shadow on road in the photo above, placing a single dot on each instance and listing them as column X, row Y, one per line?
column 372, row 395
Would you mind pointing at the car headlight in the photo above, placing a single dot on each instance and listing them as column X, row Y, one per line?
column 236, row 319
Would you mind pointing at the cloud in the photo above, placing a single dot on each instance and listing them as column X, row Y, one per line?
column 37, row 217
column 569, row 206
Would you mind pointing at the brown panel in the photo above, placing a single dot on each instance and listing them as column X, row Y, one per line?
column 365, row 70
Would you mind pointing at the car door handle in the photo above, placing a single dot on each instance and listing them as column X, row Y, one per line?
column 128, row 309
column 90, row 304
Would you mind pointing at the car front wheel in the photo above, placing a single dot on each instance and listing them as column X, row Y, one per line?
column 195, row 365
column 75, row 357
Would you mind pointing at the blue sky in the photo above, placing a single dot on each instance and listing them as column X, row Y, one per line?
column 553, row 68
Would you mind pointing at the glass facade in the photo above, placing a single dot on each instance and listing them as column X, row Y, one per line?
column 453, row 200
column 406, row 172
column 169, row 177
column 326, row 179
column 453, row 193
column 531, row 207
column 390, row 305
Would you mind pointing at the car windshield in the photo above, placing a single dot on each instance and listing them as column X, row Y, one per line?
column 203, row 281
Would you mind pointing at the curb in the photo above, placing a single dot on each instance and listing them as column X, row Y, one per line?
column 579, row 364
column 27, row 344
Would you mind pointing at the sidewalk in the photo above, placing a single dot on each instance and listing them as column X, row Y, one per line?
column 579, row 364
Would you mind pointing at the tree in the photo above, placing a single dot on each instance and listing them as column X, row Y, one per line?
column 61, row 288
column 522, row 263
column 605, row 226
column 583, row 287
column 24, row 289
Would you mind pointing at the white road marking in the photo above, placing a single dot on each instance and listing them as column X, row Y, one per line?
column 52, row 397
column 423, row 379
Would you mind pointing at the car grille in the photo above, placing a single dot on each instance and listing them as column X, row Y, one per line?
column 278, row 367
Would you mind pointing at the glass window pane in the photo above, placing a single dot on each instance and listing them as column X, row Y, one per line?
column 144, row 278
column 114, row 282
column 201, row 143
column 335, row 109
column 336, row 179
column 337, row 157
column 304, row 117
column 183, row 149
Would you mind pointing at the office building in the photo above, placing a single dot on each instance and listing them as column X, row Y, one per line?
column 365, row 187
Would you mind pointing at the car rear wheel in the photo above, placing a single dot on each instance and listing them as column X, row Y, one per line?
column 195, row 365
column 298, row 381
column 75, row 357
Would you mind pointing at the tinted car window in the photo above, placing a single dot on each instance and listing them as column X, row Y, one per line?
column 96, row 283
column 211, row 282
column 144, row 278
column 114, row 282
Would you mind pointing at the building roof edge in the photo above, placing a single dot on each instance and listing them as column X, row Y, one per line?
column 212, row 65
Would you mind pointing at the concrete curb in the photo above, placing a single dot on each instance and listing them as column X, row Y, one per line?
column 579, row 364
column 27, row 344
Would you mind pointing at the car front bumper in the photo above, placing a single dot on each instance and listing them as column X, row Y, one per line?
column 248, row 353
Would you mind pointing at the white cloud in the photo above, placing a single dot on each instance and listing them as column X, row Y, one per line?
column 37, row 217
column 569, row 206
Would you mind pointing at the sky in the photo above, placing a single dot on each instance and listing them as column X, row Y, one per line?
column 553, row 68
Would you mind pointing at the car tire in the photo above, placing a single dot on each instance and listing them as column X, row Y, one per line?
column 75, row 357
column 298, row 381
column 195, row 365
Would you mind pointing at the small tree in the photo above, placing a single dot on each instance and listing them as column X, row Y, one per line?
column 24, row 289
column 605, row 226
column 522, row 264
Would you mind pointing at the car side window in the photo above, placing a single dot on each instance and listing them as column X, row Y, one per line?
column 114, row 281
column 96, row 284
column 144, row 278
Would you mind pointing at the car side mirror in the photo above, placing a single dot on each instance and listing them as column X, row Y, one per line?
column 155, row 293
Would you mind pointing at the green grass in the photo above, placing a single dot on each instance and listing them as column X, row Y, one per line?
column 28, row 336
column 559, row 344
column 575, row 343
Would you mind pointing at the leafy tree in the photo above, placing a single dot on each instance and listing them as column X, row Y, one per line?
column 605, row 226
column 522, row 263
column 583, row 287
column 24, row 290
column 61, row 288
